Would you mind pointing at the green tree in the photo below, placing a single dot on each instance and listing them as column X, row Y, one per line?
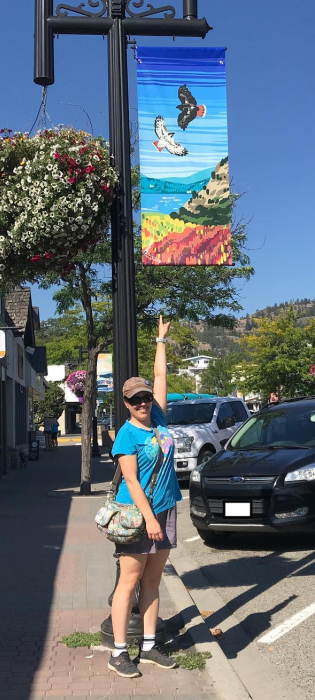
column 280, row 355
column 221, row 375
column 52, row 405
column 193, row 294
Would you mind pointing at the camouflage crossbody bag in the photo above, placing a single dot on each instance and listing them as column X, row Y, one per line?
column 124, row 522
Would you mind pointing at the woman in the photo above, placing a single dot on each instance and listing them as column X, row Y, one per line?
column 54, row 433
column 47, row 433
column 137, row 449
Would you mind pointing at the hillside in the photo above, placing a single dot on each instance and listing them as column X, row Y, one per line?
column 219, row 341
column 210, row 204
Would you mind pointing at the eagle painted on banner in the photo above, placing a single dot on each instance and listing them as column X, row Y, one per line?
column 188, row 107
column 166, row 139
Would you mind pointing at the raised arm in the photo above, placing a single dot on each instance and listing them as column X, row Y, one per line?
column 160, row 368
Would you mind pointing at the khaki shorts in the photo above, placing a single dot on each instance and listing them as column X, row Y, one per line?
column 167, row 520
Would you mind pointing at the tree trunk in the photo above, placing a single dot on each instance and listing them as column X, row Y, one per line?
column 88, row 410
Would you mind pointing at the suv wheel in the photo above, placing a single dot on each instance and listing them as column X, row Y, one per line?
column 215, row 538
column 204, row 455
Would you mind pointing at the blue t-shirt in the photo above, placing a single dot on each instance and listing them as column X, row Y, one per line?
column 143, row 443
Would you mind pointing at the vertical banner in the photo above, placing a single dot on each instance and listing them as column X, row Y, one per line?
column 185, row 203
column 104, row 378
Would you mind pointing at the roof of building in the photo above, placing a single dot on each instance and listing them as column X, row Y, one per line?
column 39, row 360
column 198, row 357
column 19, row 315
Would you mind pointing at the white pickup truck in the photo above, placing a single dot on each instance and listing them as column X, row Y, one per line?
column 200, row 428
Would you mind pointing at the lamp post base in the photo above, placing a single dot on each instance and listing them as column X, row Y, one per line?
column 134, row 632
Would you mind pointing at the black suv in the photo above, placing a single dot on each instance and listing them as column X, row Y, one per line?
column 264, row 478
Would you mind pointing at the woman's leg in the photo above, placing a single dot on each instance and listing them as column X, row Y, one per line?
column 149, row 590
column 131, row 570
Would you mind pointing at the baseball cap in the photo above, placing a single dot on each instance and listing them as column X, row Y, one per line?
column 135, row 384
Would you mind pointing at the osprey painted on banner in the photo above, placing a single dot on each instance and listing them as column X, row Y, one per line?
column 166, row 139
column 188, row 107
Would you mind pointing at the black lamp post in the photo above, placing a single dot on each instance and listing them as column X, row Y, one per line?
column 117, row 19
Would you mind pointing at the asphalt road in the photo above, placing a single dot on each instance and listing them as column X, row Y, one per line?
column 264, row 581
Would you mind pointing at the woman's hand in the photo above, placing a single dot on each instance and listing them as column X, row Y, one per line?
column 154, row 529
column 163, row 327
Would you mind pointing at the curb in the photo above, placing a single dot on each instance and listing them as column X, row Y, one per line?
column 246, row 674
column 225, row 680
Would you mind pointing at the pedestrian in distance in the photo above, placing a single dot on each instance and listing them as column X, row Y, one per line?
column 47, row 432
column 137, row 448
column 54, row 434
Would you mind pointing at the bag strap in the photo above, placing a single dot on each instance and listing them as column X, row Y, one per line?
column 158, row 465
column 117, row 476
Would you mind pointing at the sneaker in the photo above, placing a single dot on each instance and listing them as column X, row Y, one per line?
column 123, row 666
column 156, row 656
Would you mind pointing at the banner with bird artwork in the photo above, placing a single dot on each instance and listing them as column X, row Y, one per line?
column 185, row 194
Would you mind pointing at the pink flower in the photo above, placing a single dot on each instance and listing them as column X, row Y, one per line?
column 105, row 188
column 47, row 255
column 89, row 169
column 72, row 180
column 57, row 155
column 36, row 259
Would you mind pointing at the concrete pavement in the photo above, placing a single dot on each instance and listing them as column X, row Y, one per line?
column 57, row 572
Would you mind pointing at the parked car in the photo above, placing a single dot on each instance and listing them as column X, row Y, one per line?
column 264, row 478
column 200, row 427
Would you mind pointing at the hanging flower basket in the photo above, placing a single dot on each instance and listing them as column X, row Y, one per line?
column 76, row 383
column 56, row 190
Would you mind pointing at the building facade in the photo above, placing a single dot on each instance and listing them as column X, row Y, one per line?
column 22, row 367
column 70, row 420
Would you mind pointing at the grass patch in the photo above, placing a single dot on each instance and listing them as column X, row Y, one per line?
column 192, row 660
column 82, row 639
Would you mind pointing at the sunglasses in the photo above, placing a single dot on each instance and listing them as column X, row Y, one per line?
column 138, row 400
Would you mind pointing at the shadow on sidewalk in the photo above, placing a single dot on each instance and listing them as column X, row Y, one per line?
column 33, row 528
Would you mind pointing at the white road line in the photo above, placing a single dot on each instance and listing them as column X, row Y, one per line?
column 288, row 625
column 192, row 539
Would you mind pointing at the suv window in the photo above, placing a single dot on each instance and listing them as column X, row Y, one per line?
column 239, row 411
column 190, row 413
column 225, row 411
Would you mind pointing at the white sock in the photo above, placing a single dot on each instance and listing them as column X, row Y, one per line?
column 119, row 649
column 148, row 642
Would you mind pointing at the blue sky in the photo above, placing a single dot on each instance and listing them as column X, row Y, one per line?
column 271, row 107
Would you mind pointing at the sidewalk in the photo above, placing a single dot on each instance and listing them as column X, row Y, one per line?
column 57, row 572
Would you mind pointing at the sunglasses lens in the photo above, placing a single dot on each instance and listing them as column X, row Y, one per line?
column 138, row 400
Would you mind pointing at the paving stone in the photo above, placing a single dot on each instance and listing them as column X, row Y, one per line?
column 68, row 573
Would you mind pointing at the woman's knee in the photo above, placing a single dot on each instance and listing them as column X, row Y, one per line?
column 129, row 584
column 151, row 579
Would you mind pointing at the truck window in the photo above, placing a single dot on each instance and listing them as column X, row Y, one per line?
column 239, row 411
column 225, row 411
column 189, row 413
